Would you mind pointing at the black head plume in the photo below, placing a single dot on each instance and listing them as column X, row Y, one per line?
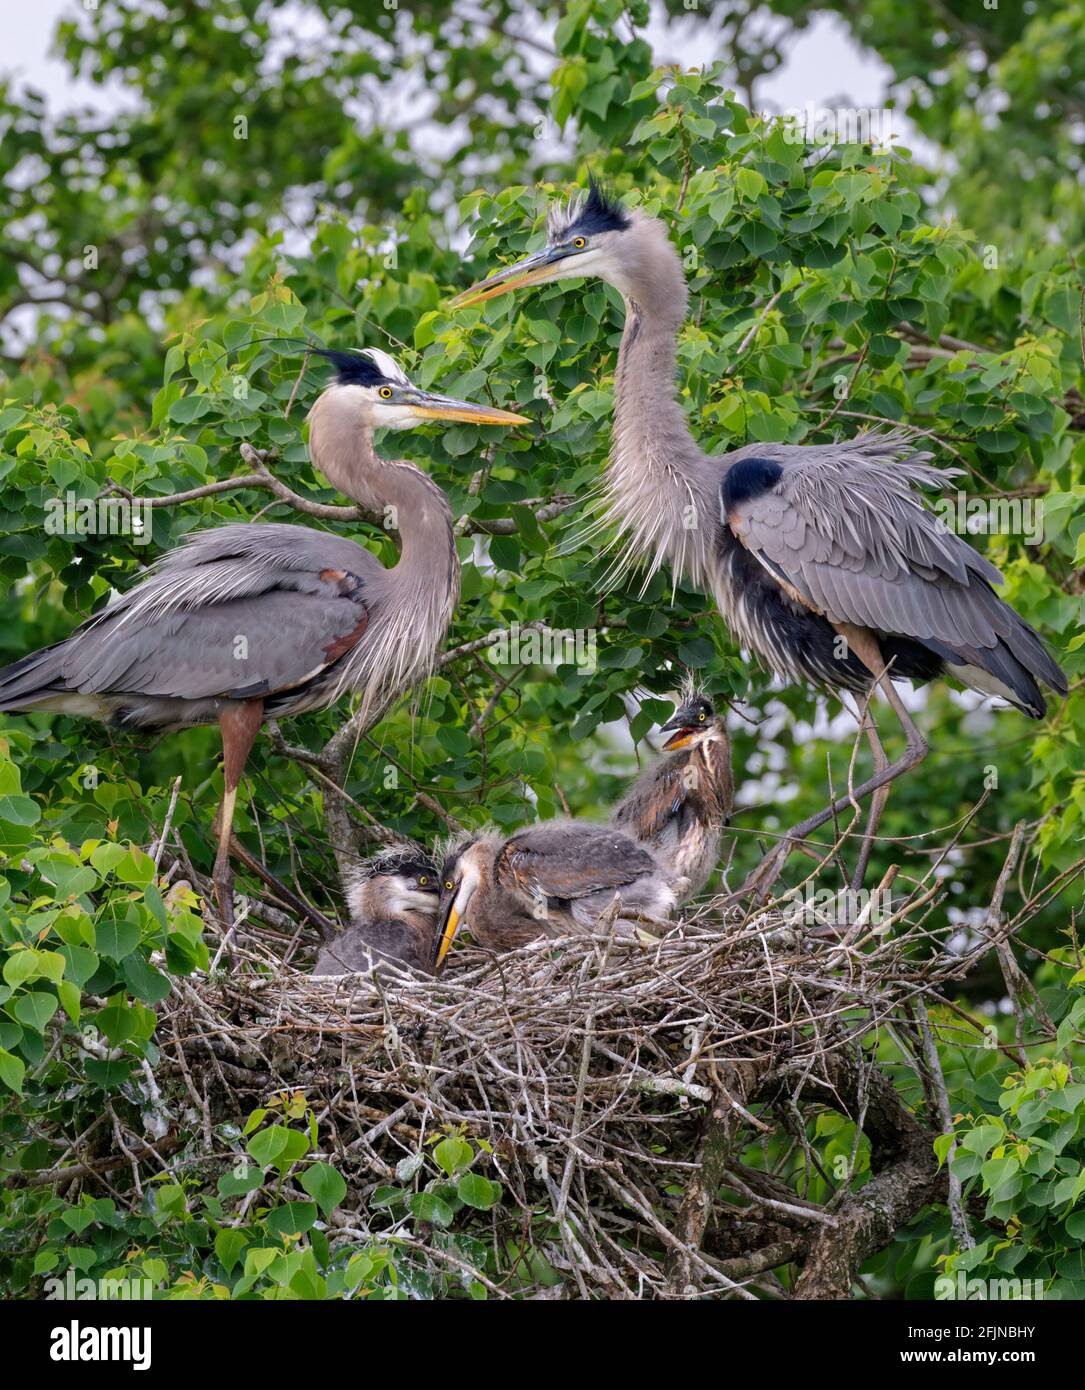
column 366, row 367
column 584, row 216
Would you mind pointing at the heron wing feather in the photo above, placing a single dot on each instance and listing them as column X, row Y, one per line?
column 849, row 533
column 561, row 860
column 240, row 611
column 653, row 801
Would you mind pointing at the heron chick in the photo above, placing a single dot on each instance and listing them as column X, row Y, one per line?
column 554, row 879
column 680, row 804
column 392, row 900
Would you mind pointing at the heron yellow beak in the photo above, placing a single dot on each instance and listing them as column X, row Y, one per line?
column 428, row 406
column 451, row 924
column 532, row 270
column 678, row 740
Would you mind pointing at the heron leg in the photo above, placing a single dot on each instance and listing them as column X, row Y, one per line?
column 866, row 648
column 239, row 723
column 289, row 897
column 877, row 800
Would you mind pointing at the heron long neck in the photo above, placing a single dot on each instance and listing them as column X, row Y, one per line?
column 420, row 592
column 411, row 604
column 658, row 487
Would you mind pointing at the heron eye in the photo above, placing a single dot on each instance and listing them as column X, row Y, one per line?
column 385, row 393
column 579, row 242
column 449, row 885
column 701, row 716
column 423, row 880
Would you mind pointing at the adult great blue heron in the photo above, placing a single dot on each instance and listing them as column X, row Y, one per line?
column 680, row 804
column 252, row 621
column 822, row 558
column 392, row 900
column 548, row 880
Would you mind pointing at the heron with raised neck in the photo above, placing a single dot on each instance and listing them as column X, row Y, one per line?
column 824, row 559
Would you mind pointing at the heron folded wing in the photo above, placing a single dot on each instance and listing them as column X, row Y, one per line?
column 848, row 535
column 241, row 561
column 853, row 503
column 656, row 799
column 240, row 649
column 570, row 860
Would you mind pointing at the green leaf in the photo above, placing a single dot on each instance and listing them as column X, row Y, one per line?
column 230, row 1246
column 143, row 980
column 279, row 1145
column 239, row 1182
column 115, row 939
column 108, row 1075
column 19, row 810
column 427, row 1206
column 982, row 1139
column 70, row 999
column 696, row 652
column 324, row 1185
column 189, row 408
column 12, row 1071
column 136, row 868
column 452, row 1155
column 292, row 1219
column 35, row 1009
column 476, row 1191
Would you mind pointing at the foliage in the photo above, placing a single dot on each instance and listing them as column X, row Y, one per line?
column 995, row 87
column 828, row 294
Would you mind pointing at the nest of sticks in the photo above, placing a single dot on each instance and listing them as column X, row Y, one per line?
column 613, row 1088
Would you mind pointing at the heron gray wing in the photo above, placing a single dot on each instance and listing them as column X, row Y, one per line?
column 563, row 859
column 844, row 529
column 241, row 612
column 239, row 561
column 240, row 649
column 654, row 800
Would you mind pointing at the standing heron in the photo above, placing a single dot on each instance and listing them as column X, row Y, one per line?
column 392, row 900
column 549, row 880
column 250, row 621
column 680, row 804
column 822, row 558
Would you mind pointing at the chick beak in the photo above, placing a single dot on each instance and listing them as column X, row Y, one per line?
column 452, row 922
column 683, row 730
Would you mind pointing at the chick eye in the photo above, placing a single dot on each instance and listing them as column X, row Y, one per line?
column 579, row 242
column 449, row 885
column 423, row 880
column 700, row 717
column 385, row 393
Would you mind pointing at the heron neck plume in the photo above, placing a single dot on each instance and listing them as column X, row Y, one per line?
column 413, row 601
column 659, row 486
